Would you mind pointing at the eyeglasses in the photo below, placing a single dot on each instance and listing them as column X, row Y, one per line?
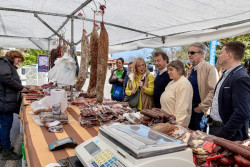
column 192, row 52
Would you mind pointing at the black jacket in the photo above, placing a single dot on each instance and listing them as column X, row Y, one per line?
column 160, row 84
column 10, row 86
column 234, row 105
column 115, row 81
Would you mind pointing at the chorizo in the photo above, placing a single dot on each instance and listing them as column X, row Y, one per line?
column 102, row 62
column 232, row 147
column 226, row 161
column 94, row 55
column 241, row 160
column 83, row 72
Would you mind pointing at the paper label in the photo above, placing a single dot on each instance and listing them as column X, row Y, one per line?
column 209, row 146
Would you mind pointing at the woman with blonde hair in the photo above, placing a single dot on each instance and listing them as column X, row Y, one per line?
column 143, row 79
column 177, row 97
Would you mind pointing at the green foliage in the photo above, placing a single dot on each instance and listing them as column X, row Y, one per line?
column 242, row 38
column 183, row 53
column 31, row 56
column 151, row 59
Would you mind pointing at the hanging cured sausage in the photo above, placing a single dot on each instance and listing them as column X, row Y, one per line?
column 83, row 72
column 103, row 45
column 94, row 55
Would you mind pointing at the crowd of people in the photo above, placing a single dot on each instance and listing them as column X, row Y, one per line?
column 198, row 99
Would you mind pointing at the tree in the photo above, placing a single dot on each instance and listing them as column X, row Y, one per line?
column 31, row 56
column 131, row 58
column 151, row 59
column 242, row 38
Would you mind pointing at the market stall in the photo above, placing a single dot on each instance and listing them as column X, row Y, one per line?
column 36, row 138
column 131, row 138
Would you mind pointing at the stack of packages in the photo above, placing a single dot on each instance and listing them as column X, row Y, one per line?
column 51, row 118
column 155, row 116
column 194, row 139
column 209, row 150
column 54, row 123
column 83, row 102
column 96, row 115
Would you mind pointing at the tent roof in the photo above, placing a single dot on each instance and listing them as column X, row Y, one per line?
column 150, row 24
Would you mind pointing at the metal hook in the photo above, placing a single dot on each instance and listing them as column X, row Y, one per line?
column 95, row 7
column 83, row 12
column 63, row 30
column 104, row 1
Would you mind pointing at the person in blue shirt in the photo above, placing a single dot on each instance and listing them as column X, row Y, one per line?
column 117, row 77
column 230, row 112
column 203, row 77
column 162, row 78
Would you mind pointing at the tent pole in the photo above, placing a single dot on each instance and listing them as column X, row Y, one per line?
column 72, row 52
column 72, row 14
column 11, row 36
column 36, row 44
column 39, row 18
column 34, row 12
column 122, row 27
column 48, row 54
column 76, row 17
column 48, row 47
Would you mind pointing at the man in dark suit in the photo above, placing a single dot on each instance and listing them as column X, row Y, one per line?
column 162, row 78
column 230, row 110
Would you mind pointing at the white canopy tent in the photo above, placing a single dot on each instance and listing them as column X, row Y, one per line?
column 131, row 24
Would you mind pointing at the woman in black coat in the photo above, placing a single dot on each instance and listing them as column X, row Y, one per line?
column 10, row 100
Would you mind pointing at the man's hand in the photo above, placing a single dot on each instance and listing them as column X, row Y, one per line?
column 133, row 91
column 113, row 77
column 120, row 80
column 198, row 110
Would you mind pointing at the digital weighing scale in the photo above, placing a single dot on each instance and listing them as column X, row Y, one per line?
column 133, row 146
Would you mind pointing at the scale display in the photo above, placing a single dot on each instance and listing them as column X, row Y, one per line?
column 141, row 141
column 133, row 146
column 92, row 148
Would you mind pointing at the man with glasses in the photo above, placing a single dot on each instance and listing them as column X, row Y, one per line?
column 203, row 78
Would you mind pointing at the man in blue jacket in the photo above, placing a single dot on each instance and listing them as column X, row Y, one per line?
column 230, row 110
column 162, row 78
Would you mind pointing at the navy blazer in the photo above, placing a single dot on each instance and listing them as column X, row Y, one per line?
column 234, row 105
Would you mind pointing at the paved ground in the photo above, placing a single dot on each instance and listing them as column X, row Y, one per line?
column 16, row 141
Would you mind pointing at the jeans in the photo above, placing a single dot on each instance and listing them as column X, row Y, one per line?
column 6, row 121
column 195, row 121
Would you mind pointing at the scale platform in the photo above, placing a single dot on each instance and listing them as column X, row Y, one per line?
column 133, row 145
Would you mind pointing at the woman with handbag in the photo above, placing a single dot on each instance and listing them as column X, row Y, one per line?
column 140, row 87
column 117, row 79
column 177, row 97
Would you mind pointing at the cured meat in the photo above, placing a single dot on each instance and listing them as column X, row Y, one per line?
column 54, row 54
column 241, row 160
column 83, row 72
column 232, row 147
column 94, row 55
column 103, row 46
column 165, row 128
